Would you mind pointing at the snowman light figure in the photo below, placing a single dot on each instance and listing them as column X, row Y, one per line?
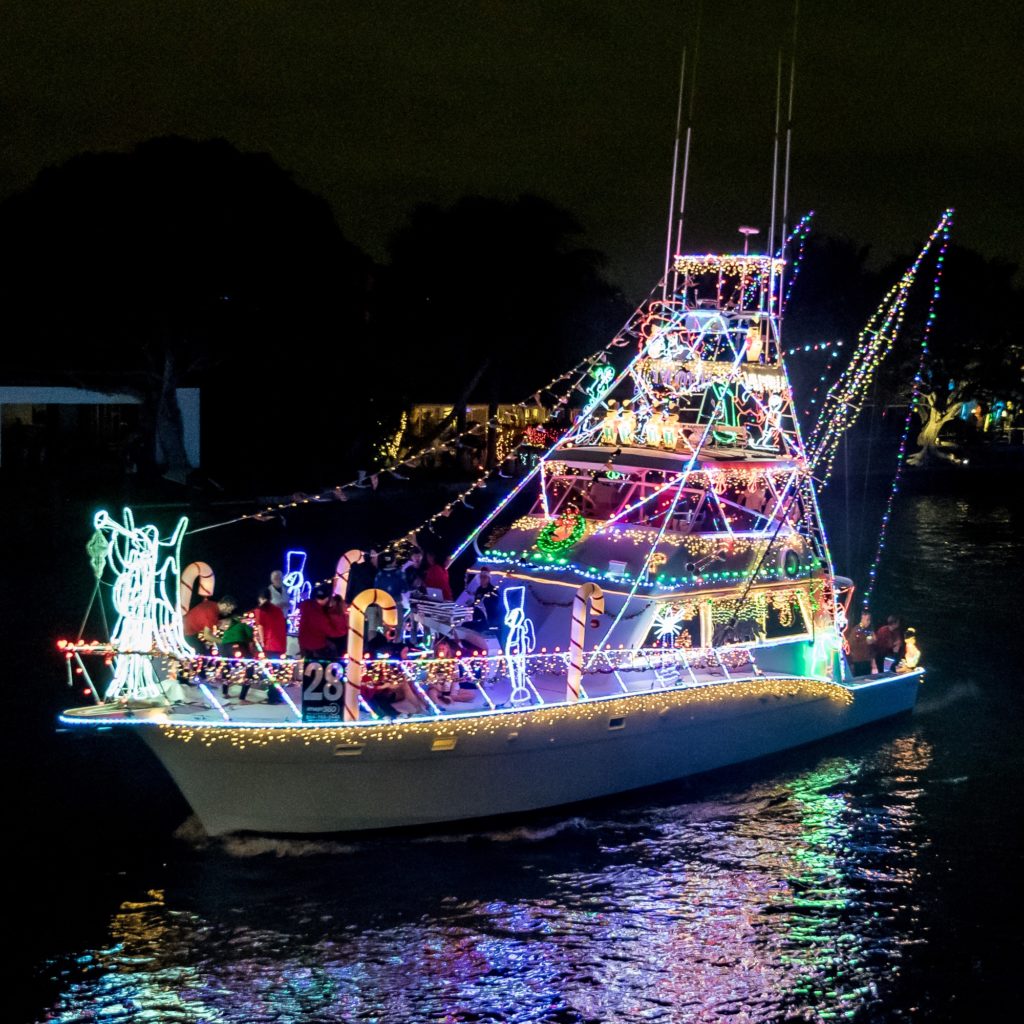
column 148, row 620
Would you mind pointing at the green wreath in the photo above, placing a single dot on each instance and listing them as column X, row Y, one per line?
column 546, row 538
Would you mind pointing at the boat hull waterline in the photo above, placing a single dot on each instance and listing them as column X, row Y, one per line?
column 418, row 772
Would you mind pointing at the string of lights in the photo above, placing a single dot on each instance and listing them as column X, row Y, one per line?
column 800, row 233
column 845, row 398
column 901, row 455
column 576, row 375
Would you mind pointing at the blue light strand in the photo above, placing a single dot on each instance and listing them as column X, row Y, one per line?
column 901, row 454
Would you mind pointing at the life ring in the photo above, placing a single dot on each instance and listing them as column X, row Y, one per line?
column 789, row 562
column 195, row 576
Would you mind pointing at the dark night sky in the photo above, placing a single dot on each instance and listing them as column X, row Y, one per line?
column 902, row 107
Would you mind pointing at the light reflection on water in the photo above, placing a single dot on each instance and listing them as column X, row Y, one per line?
column 805, row 888
column 788, row 897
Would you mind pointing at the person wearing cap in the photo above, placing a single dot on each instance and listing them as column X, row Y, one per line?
column 323, row 624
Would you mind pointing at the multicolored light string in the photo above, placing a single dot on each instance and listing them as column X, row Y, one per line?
column 844, row 400
column 901, row 455
column 800, row 233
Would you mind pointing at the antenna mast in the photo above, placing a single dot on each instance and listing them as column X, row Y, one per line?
column 689, row 133
column 775, row 155
column 675, row 167
column 789, row 144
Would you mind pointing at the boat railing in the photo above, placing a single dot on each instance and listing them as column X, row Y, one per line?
column 632, row 670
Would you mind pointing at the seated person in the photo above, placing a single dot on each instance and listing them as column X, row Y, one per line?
column 383, row 696
column 452, row 681
column 174, row 689
column 911, row 653
column 482, row 594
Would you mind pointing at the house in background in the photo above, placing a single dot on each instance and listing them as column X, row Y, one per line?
column 43, row 427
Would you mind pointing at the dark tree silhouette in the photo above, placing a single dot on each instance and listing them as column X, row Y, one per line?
column 184, row 262
column 489, row 299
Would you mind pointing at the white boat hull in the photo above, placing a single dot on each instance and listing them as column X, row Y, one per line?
column 346, row 779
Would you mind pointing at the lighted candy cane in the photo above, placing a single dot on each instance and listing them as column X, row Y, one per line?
column 193, row 573
column 344, row 569
column 592, row 594
column 148, row 618
column 356, row 625
column 520, row 642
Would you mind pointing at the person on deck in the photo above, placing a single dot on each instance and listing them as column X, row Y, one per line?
column 436, row 576
column 361, row 576
column 198, row 624
column 390, row 688
column 888, row 643
column 236, row 638
column 911, row 653
column 278, row 595
column 861, row 641
column 323, row 624
column 391, row 580
column 271, row 626
column 482, row 594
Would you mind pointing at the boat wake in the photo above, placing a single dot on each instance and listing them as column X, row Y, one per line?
column 192, row 833
column 954, row 695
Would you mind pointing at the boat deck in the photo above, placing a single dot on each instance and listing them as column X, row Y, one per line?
column 496, row 695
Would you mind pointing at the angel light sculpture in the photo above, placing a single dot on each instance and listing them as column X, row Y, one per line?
column 148, row 619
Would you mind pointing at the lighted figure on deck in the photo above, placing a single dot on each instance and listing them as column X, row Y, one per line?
column 601, row 377
column 772, row 428
column 754, row 343
column 520, row 642
column 627, row 424
column 668, row 429
column 148, row 620
column 610, row 424
column 296, row 585
column 652, row 428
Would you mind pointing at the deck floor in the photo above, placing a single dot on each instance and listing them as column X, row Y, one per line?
column 552, row 689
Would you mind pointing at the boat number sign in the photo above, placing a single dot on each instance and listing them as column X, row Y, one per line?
column 323, row 691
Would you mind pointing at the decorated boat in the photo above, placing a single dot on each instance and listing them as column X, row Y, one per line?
column 667, row 606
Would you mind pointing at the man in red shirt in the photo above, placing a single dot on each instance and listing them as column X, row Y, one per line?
column 271, row 626
column 199, row 621
column 323, row 623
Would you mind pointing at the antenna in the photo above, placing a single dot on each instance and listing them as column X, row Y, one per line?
column 789, row 143
column 746, row 232
column 689, row 131
column 675, row 167
column 775, row 154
